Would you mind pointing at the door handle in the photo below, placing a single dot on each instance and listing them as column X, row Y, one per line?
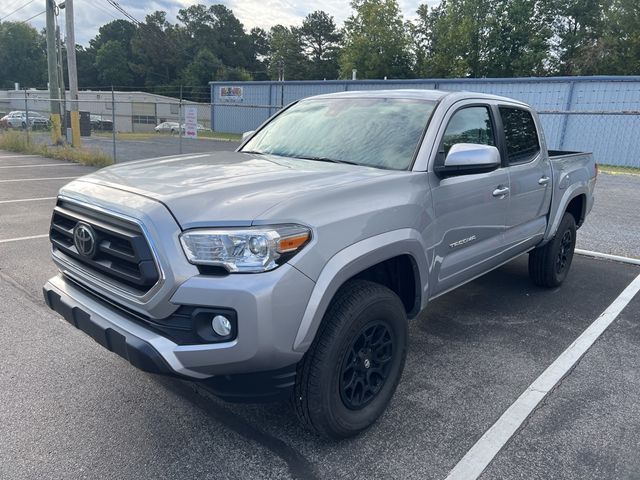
column 543, row 180
column 500, row 192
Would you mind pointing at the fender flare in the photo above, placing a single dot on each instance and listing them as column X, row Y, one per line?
column 353, row 260
column 561, row 207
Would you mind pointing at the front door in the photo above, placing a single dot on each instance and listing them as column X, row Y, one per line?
column 470, row 209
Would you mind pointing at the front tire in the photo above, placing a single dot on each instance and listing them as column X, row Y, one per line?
column 349, row 374
column 550, row 264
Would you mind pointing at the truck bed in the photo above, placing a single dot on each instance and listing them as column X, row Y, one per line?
column 573, row 173
column 558, row 154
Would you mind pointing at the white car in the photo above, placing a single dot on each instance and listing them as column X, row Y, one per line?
column 199, row 127
column 18, row 119
column 167, row 127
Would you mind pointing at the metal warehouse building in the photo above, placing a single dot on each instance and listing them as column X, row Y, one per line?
column 599, row 114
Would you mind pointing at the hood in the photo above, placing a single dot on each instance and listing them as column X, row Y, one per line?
column 227, row 188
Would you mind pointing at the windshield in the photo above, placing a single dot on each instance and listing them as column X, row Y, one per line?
column 375, row 132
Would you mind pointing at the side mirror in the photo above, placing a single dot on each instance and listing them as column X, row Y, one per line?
column 246, row 135
column 466, row 158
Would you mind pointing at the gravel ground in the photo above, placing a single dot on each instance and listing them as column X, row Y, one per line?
column 614, row 223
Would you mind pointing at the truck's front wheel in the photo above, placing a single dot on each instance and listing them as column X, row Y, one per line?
column 353, row 367
column 549, row 265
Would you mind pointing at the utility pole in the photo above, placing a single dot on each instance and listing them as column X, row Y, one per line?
column 52, row 61
column 63, row 103
column 73, row 74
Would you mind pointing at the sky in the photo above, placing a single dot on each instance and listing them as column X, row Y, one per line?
column 91, row 14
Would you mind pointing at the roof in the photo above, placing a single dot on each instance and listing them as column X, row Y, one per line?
column 418, row 94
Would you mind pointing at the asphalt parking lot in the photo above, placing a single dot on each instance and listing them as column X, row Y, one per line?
column 149, row 146
column 70, row 409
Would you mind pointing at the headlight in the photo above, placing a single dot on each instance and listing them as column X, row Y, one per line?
column 253, row 249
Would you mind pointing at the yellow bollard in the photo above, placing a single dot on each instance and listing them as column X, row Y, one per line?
column 56, row 137
column 75, row 129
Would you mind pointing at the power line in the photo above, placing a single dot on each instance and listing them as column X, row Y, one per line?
column 36, row 15
column 117, row 6
column 12, row 4
column 18, row 9
column 101, row 8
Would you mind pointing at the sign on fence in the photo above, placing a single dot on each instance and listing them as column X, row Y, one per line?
column 231, row 94
column 191, row 122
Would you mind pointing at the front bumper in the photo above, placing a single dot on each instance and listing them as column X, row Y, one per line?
column 269, row 309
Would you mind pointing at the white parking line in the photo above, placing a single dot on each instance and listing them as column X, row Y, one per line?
column 17, row 156
column 24, row 238
column 483, row 452
column 65, row 164
column 27, row 200
column 608, row 256
column 35, row 179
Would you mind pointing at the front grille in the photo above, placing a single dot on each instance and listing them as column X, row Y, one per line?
column 122, row 254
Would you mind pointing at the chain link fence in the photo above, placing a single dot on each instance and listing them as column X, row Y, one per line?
column 129, row 125
column 125, row 125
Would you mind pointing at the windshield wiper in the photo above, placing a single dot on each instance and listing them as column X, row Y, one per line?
column 254, row 152
column 326, row 159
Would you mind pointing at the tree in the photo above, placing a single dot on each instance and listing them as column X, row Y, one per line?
column 454, row 36
column 482, row 38
column 580, row 26
column 375, row 41
column 219, row 30
column 622, row 39
column 119, row 31
column 259, row 53
column 86, row 65
column 155, row 49
column 518, row 39
column 111, row 63
column 203, row 69
column 286, row 53
column 234, row 45
column 320, row 39
column 22, row 56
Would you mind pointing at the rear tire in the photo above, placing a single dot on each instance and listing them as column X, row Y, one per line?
column 349, row 374
column 550, row 264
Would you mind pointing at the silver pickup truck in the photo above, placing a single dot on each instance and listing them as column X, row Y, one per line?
column 290, row 266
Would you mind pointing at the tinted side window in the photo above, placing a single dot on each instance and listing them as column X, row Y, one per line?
column 520, row 134
column 469, row 125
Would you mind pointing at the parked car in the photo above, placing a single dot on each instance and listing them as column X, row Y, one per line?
column 100, row 124
column 167, row 127
column 199, row 128
column 290, row 266
column 18, row 119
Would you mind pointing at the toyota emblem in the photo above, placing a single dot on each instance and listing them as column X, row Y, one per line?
column 84, row 238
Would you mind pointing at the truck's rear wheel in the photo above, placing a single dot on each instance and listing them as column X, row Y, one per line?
column 353, row 367
column 549, row 265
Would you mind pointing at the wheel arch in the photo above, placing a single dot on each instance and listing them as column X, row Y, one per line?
column 384, row 259
column 577, row 207
column 574, row 198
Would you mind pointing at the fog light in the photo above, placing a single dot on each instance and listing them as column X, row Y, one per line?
column 221, row 325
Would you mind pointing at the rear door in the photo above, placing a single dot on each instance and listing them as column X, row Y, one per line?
column 529, row 176
column 470, row 209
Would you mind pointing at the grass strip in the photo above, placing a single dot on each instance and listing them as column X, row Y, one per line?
column 19, row 142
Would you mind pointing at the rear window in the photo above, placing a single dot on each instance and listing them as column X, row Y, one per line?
column 520, row 134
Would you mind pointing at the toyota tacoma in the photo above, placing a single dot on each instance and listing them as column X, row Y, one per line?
column 290, row 267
